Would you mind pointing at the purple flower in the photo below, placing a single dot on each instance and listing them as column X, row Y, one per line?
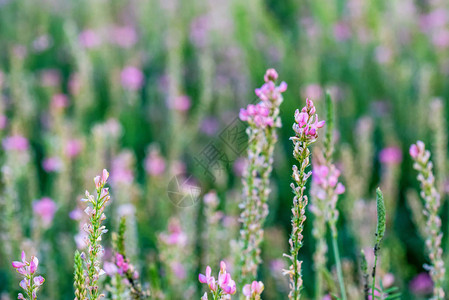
column 313, row 91
column 89, row 39
column 59, row 101
column 180, row 103
column 52, row 164
column 123, row 36
column 15, row 143
column 251, row 291
column 50, row 77
column 421, row 284
column 45, row 208
column 72, row 148
column 132, row 78
column 154, row 163
column 390, row 155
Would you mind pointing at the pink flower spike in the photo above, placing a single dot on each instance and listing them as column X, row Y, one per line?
column 23, row 256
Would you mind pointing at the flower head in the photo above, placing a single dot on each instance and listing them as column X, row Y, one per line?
column 224, row 285
column 253, row 290
column 29, row 283
column 307, row 124
column 45, row 208
column 132, row 78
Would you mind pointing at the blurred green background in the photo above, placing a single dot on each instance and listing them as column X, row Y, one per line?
column 138, row 78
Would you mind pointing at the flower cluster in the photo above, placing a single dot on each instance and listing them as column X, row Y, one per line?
column 30, row 283
column 307, row 124
column 327, row 189
column 253, row 291
column 305, row 134
column 263, row 118
column 94, row 230
column 431, row 197
column 221, row 288
column 257, row 114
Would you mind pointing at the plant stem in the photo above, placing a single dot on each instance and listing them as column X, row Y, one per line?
column 374, row 271
column 338, row 264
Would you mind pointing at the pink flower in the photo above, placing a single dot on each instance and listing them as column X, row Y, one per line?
column 417, row 149
column 421, row 284
column 132, row 78
column 50, row 77
column 100, row 181
column 180, row 103
column 307, row 124
column 72, row 148
column 313, row 91
column 121, row 171
column 15, row 143
column 257, row 114
column 3, row 121
column 52, row 164
column 45, row 208
column 253, row 289
column 89, row 39
column 205, row 278
column 224, row 282
column 59, row 101
column 154, row 163
column 390, row 155
column 270, row 75
column 342, row 31
column 123, row 36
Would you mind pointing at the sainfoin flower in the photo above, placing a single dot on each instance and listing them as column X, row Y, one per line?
column 131, row 78
column 306, row 122
column 154, row 163
column 263, row 119
column 15, row 142
column 45, row 208
column 221, row 287
column 30, row 283
column 390, row 155
column 432, row 199
column 253, row 290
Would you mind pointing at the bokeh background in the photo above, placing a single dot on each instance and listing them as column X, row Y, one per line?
column 151, row 91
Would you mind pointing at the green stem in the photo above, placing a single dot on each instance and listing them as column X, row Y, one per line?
column 374, row 272
column 338, row 264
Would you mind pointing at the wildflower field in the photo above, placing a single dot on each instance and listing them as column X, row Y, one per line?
column 259, row 149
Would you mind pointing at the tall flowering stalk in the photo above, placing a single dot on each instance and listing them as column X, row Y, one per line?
column 263, row 119
column 30, row 283
column 431, row 197
column 94, row 230
column 306, row 133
